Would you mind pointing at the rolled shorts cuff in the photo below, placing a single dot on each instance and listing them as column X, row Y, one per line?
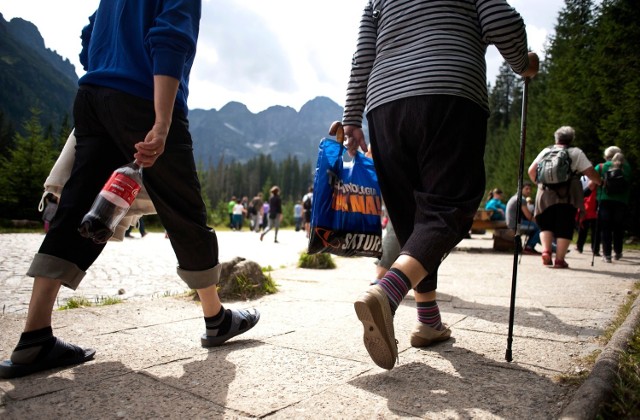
column 49, row 266
column 201, row 279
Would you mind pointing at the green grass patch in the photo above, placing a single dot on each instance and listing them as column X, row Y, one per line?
column 75, row 303
column 109, row 300
column 625, row 401
column 184, row 293
column 82, row 302
column 270, row 287
column 245, row 289
column 322, row 261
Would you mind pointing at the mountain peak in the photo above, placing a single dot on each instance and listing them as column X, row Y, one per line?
column 26, row 32
column 234, row 106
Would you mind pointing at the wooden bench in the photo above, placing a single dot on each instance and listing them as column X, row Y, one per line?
column 503, row 237
column 482, row 221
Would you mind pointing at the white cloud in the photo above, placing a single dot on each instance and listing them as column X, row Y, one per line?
column 263, row 53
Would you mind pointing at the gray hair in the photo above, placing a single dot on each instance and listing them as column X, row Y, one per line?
column 617, row 160
column 611, row 151
column 564, row 135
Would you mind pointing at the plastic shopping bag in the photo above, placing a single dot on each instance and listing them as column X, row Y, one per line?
column 346, row 213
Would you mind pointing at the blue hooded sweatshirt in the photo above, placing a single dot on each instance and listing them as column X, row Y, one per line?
column 127, row 42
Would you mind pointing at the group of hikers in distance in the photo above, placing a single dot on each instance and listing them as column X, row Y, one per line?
column 574, row 195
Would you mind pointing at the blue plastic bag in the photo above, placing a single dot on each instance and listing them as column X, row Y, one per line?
column 346, row 213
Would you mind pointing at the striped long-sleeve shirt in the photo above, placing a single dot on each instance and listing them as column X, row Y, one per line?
column 424, row 47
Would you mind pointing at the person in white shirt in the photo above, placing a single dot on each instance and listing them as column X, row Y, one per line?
column 556, row 207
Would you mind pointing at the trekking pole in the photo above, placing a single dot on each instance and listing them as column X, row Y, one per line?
column 518, row 243
column 596, row 241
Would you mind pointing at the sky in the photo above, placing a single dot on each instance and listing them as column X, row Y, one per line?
column 264, row 52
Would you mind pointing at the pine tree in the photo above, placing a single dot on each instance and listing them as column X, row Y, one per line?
column 616, row 71
column 7, row 134
column 24, row 171
column 502, row 153
column 501, row 98
column 572, row 98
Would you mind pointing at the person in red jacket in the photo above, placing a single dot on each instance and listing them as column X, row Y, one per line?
column 587, row 219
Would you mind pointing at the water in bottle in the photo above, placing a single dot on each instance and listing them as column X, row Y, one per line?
column 112, row 203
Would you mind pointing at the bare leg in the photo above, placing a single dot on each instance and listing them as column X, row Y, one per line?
column 425, row 297
column 562, row 245
column 546, row 237
column 43, row 297
column 380, row 272
column 411, row 268
column 210, row 300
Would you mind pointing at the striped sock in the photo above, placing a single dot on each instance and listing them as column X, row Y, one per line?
column 396, row 285
column 216, row 324
column 429, row 314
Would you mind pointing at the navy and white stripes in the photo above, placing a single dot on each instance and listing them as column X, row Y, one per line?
column 425, row 47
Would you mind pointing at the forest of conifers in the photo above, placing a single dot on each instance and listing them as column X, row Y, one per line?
column 589, row 79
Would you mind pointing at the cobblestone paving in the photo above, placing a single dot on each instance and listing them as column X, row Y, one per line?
column 141, row 267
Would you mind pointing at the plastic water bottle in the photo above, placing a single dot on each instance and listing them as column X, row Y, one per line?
column 112, row 203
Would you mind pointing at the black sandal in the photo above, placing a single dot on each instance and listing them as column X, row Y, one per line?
column 242, row 320
column 61, row 354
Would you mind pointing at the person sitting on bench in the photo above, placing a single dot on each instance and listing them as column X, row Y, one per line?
column 526, row 221
column 495, row 204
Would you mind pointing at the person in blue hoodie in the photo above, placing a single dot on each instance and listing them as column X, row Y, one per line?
column 131, row 104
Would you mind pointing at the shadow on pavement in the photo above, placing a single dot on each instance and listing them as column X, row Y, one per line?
column 476, row 386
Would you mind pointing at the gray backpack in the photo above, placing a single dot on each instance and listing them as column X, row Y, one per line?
column 554, row 168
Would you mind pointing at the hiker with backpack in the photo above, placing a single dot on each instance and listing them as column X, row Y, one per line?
column 557, row 170
column 613, row 200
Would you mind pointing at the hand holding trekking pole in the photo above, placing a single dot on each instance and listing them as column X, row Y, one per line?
column 534, row 66
column 532, row 70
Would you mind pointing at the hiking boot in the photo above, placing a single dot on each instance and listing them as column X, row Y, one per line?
column 607, row 259
column 424, row 335
column 374, row 311
column 617, row 256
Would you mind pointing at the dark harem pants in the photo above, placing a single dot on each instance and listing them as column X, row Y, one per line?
column 107, row 125
column 429, row 156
